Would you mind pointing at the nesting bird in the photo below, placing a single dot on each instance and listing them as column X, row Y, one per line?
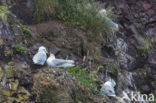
column 52, row 61
column 103, row 13
column 40, row 57
column 108, row 88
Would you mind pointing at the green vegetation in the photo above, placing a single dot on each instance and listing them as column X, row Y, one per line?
column 27, row 32
column 81, row 13
column 19, row 49
column 3, row 13
column 85, row 78
column 44, row 9
column 143, row 52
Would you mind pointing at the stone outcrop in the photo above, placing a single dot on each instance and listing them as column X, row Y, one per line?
column 23, row 9
column 138, row 26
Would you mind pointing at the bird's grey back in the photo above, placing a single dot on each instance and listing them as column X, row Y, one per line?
column 60, row 62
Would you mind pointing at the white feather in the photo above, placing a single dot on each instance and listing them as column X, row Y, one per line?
column 52, row 61
column 40, row 57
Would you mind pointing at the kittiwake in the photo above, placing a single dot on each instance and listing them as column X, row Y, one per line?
column 103, row 13
column 108, row 88
column 40, row 57
column 52, row 61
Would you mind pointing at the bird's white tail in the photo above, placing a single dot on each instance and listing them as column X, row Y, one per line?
column 70, row 61
column 67, row 65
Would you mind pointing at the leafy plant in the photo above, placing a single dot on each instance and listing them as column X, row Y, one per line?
column 19, row 49
column 88, row 80
column 27, row 32
column 3, row 13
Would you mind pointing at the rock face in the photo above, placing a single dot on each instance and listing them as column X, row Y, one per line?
column 133, row 50
column 138, row 27
column 14, row 74
column 140, row 14
column 24, row 10
column 21, row 8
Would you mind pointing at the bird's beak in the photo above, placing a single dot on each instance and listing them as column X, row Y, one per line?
column 46, row 52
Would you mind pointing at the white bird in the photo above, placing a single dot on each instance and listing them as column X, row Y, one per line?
column 108, row 88
column 40, row 57
column 103, row 13
column 52, row 61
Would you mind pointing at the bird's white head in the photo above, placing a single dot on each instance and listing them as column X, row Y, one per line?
column 52, row 56
column 102, row 12
column 42, row 49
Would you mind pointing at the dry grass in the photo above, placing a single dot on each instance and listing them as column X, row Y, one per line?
column 41, row 81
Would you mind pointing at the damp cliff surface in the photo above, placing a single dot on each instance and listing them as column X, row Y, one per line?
column 128, row 56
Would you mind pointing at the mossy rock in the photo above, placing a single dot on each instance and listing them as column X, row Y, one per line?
column 7, row 95
column 24, row 97
column 9, row 70
column 5, row 92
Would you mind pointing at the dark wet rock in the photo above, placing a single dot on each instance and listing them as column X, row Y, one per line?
column 152, row 60
column 146, row 88
column 7, row 40
column 23, row 9
column 107, row 52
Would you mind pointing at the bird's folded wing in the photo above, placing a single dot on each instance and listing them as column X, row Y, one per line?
column 60, row 62
column 39, row 58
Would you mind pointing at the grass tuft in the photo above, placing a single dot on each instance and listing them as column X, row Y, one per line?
column 19, row 49
column 81, row 13
column 44, row 9
column 85, row 78
column 3, row 13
